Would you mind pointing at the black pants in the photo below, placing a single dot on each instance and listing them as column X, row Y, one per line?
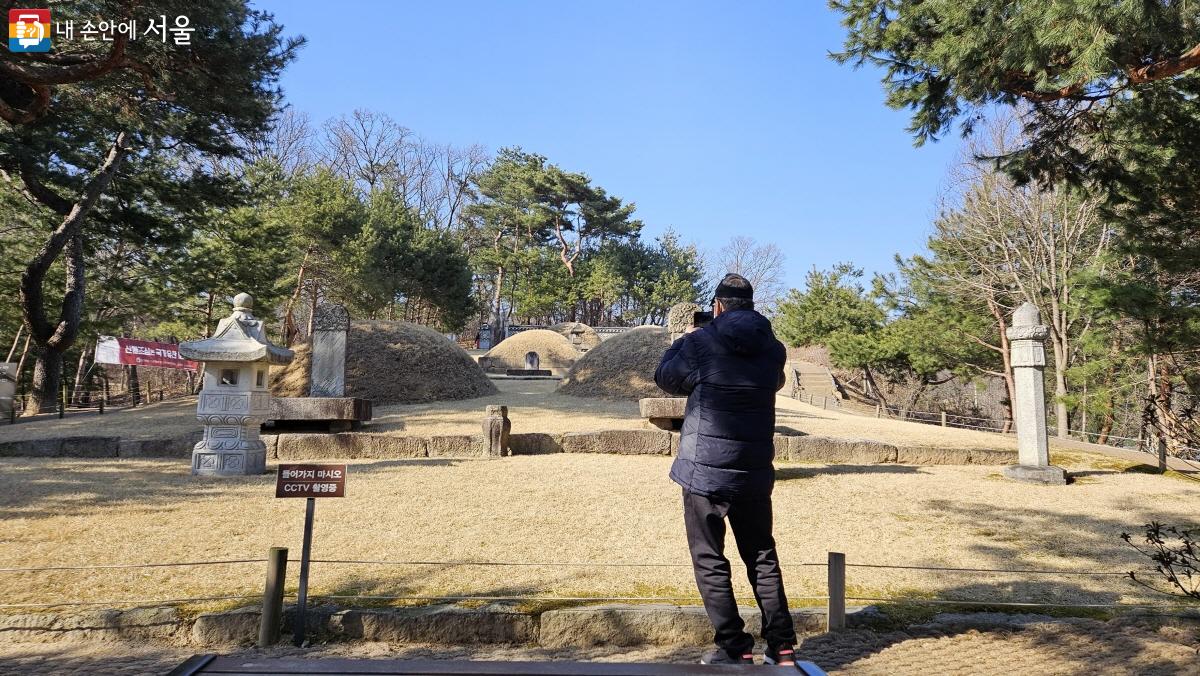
column 751, row 523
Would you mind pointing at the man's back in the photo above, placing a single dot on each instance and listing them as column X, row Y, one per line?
column 730, row 371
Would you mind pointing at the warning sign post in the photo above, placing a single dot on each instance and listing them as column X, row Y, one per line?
column 310, row 482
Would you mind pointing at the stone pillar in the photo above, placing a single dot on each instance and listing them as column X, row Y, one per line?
column 496, row 430
column 330, row 326
column 1028, row 335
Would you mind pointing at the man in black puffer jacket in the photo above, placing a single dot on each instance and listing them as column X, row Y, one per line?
column 730, row 371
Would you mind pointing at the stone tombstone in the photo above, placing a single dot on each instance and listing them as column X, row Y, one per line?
column 679, row 319
column 532, row 361
column 331, row 324
column 496, row 431
column 1027, row 337
column 235, row 399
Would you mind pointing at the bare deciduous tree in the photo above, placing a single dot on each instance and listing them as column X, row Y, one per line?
column 1025, row 243
column 762, row 264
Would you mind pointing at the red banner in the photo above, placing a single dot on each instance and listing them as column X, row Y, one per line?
column 133, row 352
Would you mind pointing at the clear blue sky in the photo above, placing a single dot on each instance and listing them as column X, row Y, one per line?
column 716, row 118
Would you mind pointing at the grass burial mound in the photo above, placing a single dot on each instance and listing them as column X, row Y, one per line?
column 622, row 367
column 555, row 353
column 394, row 363
column 582, row 336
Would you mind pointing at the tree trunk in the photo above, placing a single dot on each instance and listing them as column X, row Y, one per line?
column 135, row 387
column 497, row 295
column 16, row 342
column 55, row 338
column 47, row 373
column 1060, row 391
column 80, row 370
column 208, row 315
column 312, row 307
column 289, row 317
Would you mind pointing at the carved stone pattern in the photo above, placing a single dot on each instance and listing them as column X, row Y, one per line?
column 1028, row 332
column 330, row 317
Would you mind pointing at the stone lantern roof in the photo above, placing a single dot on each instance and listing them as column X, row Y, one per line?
column 240, row 337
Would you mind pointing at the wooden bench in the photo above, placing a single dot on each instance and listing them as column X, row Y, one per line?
column 213, row 664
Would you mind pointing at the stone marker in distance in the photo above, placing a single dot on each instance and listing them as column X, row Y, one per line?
column 1027, row 335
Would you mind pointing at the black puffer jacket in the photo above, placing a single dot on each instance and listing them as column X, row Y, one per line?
column 730, row 371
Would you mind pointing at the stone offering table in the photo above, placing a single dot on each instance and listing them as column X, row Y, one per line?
column 663, row 412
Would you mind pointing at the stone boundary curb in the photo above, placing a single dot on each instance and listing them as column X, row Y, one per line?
column 292, row 446
column 585, row 626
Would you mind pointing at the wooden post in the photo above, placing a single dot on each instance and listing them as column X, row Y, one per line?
column 943, row 418
column 102, row 405
column 1162, row 454
column 272, row 603
column 836, row 614
column 62, row 401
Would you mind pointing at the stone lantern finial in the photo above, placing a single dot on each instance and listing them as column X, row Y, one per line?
column 243, row 302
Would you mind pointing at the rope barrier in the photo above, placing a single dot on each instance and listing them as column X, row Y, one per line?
column 559, row 564
column 536, row 598
column 990, row 570
column 1014, row 604
column 121, row 566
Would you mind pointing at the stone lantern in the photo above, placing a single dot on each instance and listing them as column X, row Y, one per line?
column 235, row 399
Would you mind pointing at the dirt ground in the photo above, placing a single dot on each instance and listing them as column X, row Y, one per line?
column 573, row 523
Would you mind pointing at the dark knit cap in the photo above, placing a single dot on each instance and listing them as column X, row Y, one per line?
column 734, row 285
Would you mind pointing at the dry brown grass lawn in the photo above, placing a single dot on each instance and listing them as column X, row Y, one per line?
column 597, row 509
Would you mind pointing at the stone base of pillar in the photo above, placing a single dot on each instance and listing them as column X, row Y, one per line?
column 236, row 462
column 1037, row 474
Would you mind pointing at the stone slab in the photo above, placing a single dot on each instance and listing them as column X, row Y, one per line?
column 932, row 455
column 301, row 446
column 174, row 447
column 528, row 372
column 457, row 446
column 92, row 625
column 234, row 627
column 436, row 624
column 1037, row 474
column 535, row 443
column 623, row 442
column 809, row 448
column 63, row 447
column 662, row 407
column 320, row 409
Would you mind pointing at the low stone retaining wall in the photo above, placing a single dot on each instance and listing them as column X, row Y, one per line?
column 295, row 446
column 586, row 626
column 100, row 447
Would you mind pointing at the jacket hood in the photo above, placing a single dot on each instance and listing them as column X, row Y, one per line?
column 744, row 331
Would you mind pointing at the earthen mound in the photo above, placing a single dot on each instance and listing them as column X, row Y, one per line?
column 622, row 367
column 555, row 353
column 393, row 363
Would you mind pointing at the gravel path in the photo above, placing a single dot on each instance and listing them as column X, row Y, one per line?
column 1035, row 646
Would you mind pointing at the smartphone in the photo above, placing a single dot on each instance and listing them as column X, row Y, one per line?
column 701, row 318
